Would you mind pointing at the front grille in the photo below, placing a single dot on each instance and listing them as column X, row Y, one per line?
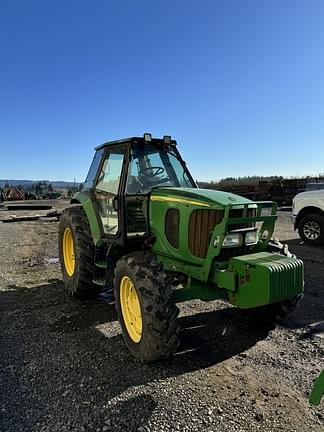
column 286, row 279
column 201, row 227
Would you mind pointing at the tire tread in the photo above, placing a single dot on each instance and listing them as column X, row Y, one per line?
column 80, row 284
column 160, row 324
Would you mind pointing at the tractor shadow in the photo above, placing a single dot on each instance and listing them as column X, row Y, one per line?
column 67, row 359
column 209, row 338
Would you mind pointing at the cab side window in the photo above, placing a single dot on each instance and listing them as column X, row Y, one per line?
column 107, row 188
column 88, row 183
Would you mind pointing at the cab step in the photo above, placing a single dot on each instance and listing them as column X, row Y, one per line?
column 99, row 282
column 101, row 264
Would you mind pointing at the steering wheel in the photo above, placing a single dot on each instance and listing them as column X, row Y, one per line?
column 156, row 170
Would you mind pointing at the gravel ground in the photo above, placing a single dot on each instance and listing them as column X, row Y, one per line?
column 64, row 365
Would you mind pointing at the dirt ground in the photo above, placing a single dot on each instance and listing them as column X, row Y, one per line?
column 64, row 365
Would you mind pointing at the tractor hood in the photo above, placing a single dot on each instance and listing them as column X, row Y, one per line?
column 205, row 197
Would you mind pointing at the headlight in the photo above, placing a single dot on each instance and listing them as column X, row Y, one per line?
column 232, row 240
column 251, row 237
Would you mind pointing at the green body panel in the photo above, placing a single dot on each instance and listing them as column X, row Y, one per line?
column 186, row 201
column 246, row 281
column 213, row 198
column 84, row 199
column 195, row 289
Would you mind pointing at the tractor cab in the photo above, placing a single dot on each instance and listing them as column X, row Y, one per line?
column 123, row 174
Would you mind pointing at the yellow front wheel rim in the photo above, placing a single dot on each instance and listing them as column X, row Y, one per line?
column 131, row 309
column 68, row 251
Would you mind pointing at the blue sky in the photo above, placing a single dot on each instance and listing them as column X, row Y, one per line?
column 239, row 84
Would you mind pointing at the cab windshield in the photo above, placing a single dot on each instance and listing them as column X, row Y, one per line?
column 152, row 166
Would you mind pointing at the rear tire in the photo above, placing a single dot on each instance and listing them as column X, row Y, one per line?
column 311, row 229
column 147, row 312
column 76, row 252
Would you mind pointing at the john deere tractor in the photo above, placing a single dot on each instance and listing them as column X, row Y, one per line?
column 143, row 231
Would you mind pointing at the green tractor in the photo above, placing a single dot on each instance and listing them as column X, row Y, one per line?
column 143, row 231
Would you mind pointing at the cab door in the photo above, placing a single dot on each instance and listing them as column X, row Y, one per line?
column 107, row 189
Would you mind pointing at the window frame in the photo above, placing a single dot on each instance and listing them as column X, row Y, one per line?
column 119, row 236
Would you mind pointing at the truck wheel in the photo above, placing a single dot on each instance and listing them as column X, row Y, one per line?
column 145, row 306
column 311, row 229
column 76, row 251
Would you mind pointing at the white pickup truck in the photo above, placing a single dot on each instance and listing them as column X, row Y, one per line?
column 308, row 216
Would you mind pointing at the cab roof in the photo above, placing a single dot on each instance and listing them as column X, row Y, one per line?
column 138, row 140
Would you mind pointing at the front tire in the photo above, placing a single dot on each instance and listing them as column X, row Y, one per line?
column 145, row 306
column 311, row 229
column 76, row 252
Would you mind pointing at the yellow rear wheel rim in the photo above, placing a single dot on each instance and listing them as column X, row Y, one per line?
column 131, row 309
column 68, row 251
